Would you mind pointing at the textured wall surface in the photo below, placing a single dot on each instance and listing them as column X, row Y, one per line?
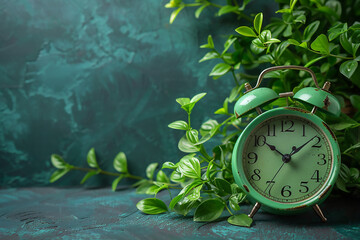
column 104, row 74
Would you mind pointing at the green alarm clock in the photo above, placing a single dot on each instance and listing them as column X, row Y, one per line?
column 287, row 159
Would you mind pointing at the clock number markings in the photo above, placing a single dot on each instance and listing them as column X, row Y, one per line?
column 286, row 192
column 315, row 176
column 270, row 186
column 256, row 176
column 252, row 156
column 303, row 185
column 303, row 128
column 293, row 191
column 271, row 130
column 316, row 144
column 289, row 129
column 259, row 140
column 322, row 157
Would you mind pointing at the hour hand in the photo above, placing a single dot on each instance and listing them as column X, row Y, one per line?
column 273, row 148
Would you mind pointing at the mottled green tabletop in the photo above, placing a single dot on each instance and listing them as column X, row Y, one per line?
column 44, row 213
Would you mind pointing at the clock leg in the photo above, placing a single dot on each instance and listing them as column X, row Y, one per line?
column 319, row 213
column 255, row 209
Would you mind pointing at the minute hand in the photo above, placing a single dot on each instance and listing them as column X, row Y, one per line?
column 295, row 150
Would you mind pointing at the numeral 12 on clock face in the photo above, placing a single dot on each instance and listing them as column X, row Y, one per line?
column 287, row 158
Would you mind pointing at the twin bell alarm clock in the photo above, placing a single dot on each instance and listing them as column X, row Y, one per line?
column 286, row 159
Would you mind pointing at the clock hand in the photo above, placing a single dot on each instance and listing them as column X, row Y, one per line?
column 295, row 150
column 273, row 148
column 275, row 175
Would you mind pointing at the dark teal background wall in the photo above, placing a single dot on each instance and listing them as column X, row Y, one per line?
column 105, row 74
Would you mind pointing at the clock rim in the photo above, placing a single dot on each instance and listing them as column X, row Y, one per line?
column 272, row 205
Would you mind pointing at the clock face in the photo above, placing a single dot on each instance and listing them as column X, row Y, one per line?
column 287, row 158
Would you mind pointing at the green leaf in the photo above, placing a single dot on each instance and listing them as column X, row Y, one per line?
column 285, row 10
column 175, row 13
column 336, row 30
column 199, row 10
column 177, row 177
column 186, row 146
column 210, row 55
column 152, row 206
column 233, row 202
column 116, row 182
column 192, row 135
column 246, row 31
column 288, row 31
column 300, row 19
column 345, row 43
column 356, row 146
column 226, row 9
column 209, row 210
column 58, row 174
column 257, row 46
column 169, row 165
column 228, row 44
column 161, row 177
column 340, row 184
column 207, row 126
column 190, row 167
column 150, row 170
column 195, row 193
column 120, row 163
column 272, row 40
column 293, row 42
column 89, row 175
column 91, row 158
column 183, row 101
column 210, row 43
column 265, row 36
column 355, row 101
column 197, row 97
column 314, row 61
column 184, row 206
column 179, row 125
column 58, row 162
column 173, row 3
column 147, row 188
column 241, row 220
column 220, row 69
column 304, row 45
column 187, row 189
column 310, row 30
column 223, row 185
column 348, row 68
column 258, row 22
column 321, row 44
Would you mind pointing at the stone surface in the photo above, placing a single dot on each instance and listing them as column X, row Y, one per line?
column 44, row 213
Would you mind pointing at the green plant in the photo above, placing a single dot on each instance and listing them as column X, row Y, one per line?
column 318, row 34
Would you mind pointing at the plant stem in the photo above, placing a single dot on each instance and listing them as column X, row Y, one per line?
column 189, row 120
column 204, row 153
column 235, row 79
column 228, row 209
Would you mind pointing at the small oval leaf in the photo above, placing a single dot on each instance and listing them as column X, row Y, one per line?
column 120, row 163
column 209, row 210
column 116, row 182
column 58, row 174
column 150, row 170
column 246, row 31
column 152, row 206
column 91, row 158
column 58, row 162
column 242, row 220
